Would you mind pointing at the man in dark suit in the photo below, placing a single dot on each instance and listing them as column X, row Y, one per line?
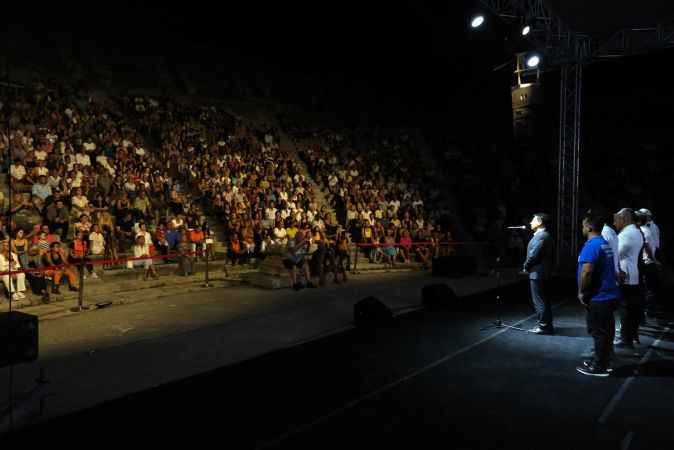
column 539, row 266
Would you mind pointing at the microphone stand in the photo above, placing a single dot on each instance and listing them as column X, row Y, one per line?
column 498, row 323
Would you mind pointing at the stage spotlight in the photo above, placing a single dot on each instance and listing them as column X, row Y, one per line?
column 477, row 21
column 533, row 61
column 526, row 30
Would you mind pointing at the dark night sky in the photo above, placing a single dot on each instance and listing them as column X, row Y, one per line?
column 418, row 51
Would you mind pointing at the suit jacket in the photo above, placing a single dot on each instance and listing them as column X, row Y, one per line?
column 539, row 256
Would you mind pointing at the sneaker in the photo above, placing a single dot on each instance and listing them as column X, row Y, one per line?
column 93, row 275
column 84, row 277
column 73, row 288
column 19, row 295
column 609, row 366
column 592, row 370
column 55, row 290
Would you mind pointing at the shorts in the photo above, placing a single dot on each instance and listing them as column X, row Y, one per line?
column 289, row 264
column 391, row 251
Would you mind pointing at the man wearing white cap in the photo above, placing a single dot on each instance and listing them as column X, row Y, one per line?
column 630, row 243
column 655, row 230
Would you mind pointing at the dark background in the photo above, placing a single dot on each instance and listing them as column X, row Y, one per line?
column 411, row 63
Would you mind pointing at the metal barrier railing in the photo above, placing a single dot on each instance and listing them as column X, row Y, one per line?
column 477, row 250
column 80, row 265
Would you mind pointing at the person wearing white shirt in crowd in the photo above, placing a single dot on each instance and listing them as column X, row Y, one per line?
column 630, row 243
column 650, row 267
column 17, row 171
column 40, row 155
column 18, row 286
column 96, row 241
column 82, row 159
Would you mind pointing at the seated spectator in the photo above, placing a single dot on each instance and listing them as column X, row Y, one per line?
column 142, row 205
column 389, row 248
column 19, row 203
column 79, row 203
column 83, row 224
column 58, row 218
column 41, row 191
column 56, row 257
column 20, row 247
column 16, row 285
column 142, row 250
column 18, row 178
column 37, row 280
column 406, row 245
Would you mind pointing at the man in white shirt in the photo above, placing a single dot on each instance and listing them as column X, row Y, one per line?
column 650, row 275
column 655, row 230
column 630, row 243
column 611, row 237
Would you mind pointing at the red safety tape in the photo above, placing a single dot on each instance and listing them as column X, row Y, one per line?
column 97, row 262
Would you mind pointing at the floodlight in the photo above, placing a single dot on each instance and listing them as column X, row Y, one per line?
column 477, row 21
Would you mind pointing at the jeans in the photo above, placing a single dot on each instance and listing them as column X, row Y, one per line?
column 601, row 326
column 542, row 303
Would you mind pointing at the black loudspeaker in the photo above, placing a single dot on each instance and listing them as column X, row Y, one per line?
column 454, row 266
column 526, row 99
column 370, row 311
column 438, row 296
column 18, row 338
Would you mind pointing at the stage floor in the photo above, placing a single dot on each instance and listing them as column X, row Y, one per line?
column 428, row 375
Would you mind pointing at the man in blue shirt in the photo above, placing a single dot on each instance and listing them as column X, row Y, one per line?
column 598, row 293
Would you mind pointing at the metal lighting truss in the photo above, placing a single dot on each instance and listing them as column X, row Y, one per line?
column 569, row 51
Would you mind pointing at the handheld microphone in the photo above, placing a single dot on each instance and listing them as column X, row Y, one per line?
column 521, row 227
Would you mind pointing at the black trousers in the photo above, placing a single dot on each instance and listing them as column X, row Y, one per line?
column 651, row 284
column 630, row 312
column 601, row 326
column 542, row 303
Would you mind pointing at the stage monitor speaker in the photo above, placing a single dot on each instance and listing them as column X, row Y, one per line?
column 440, row 295
column 18, row 338
column 454, row 266
column 370, row 311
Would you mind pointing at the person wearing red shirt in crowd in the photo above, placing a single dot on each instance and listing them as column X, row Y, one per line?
column 235, row 251
column 197, row 238
column 79, row 251
column 406, row 245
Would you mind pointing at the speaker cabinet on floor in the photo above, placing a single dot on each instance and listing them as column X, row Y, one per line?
column 454, row 266
column 370, row 311
column 18, row 338
column 434, row 296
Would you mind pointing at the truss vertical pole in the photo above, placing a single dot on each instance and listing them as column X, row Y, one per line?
column 568, row 165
